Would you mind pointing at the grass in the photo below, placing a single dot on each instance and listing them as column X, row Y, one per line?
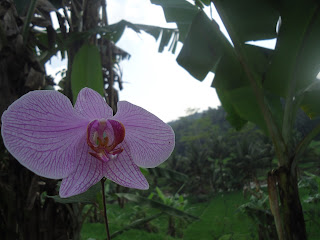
column 119, row 218
column 219, row 219
column 97, row 231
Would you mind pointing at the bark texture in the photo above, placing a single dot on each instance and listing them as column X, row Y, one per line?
column 25, row 213
column 292, row 214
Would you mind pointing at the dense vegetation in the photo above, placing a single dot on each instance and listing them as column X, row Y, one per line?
column 274, row 89
column 217, row 174
column 221, row 158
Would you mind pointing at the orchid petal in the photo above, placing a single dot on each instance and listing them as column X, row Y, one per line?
column 88, row 171
column 125, row 172
column 151, row 141
column 41, row 130
column 91, row 105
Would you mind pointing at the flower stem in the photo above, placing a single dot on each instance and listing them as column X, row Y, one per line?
column 105, row 209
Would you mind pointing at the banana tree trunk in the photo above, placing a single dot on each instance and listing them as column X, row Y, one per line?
column 289, row 217
column 294, row 227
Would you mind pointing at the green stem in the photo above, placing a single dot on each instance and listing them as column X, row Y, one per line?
column 273, row 130
column 105, row 209
column 25, row 29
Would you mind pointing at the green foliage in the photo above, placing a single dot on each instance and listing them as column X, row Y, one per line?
column 310, row 99
column 86, row 70
column 310, row 193
column 295, row 60
column 219, row 218
column 217, row 157
column 202, row 58
column 250, row 80
column 172, row 211
column 166, row 35
column 266, row 89
column 251, row 19
column 180, row 12
column 257, row 209
column 90, row 196
column 176, row 201
column 22, row 6
column 97, row 231
column 312, row 182
column 169, row 174
column 137, row 223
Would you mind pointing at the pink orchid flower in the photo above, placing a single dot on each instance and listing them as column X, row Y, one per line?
column 81, row 145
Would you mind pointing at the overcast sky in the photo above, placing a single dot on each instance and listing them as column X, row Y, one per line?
column 154, row 80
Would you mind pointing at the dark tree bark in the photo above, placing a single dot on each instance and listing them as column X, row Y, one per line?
column 24, row 213
column 292, row 214
column 288, row 216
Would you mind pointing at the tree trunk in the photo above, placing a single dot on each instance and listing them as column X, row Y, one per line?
column 289, row 220
column 24, row 212
column 292, row 215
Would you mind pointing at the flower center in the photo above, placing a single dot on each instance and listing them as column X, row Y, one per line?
column 103, row 137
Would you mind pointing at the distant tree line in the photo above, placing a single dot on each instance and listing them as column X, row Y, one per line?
column 217, row 157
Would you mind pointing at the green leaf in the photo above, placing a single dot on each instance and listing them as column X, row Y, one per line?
column 245, row 104
column 229, row 74
column 161, row 195
column 274, row 103
column 136, row 224
column 203, row 47
column 310, row 102
column 87, row 197
column 144, row 171
column 87, row 71
column 236, row 94
column 179, row 11
column 151, row 195
column 251, row 19
column 206, row 2
column 162, row 207
column 166, row 34
column 314, row 177
column 232, row 116
column 119, row 27
column 296, row 60
column 22, row 6
column 169, row 174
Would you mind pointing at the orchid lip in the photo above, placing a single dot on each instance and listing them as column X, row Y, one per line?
column 104, row 137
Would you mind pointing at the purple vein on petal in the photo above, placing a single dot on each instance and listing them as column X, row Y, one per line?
column 87, row 173
column 40, row 130
column 123, row 171
column 91, row 105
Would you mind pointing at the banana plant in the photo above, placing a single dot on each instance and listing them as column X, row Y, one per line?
column 259, row 85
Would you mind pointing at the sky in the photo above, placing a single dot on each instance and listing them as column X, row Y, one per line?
column 154, row 80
